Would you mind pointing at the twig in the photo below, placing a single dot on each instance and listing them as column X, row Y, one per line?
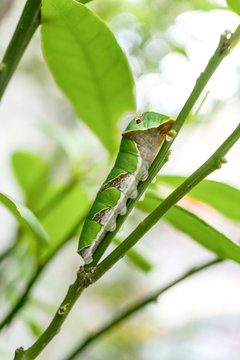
column 132, row 309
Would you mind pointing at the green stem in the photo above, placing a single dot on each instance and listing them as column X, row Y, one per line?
column 26, row 27
column 212, row 164
column 136, row 306
column 73, row 293
column 227, row 42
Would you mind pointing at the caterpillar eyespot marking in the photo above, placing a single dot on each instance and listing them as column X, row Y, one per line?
column 141, row 141
column 138, row 119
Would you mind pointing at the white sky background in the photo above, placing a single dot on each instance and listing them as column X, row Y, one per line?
column 215, row 293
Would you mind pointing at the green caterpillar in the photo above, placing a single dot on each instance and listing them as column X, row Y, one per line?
column 140, row 144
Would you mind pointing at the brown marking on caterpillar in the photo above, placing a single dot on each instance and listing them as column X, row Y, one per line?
column 149, row 140
column 118, row 182
column 102, row 216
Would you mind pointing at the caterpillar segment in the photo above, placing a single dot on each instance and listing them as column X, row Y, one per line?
column 140, row 144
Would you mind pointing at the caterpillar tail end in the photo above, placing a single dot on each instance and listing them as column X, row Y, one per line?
column 86, row 254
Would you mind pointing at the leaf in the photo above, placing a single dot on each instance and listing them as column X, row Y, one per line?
column 88, row 65
column 61, row 219
column 222, row 197
column 31, row 173
column 137, row 258
column 34, row 327
column 25, row 217
column 234, row 5
column 196, row 228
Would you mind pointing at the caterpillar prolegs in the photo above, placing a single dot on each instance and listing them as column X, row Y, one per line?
column 141, row 141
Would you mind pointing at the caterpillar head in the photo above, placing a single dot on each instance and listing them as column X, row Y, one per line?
column 148, row 130
column 148, row 120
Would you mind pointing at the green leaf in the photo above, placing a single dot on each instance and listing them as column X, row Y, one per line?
column 137, row 258
column 88, row 65
column 71, row 207
column 234, row 5
column 222, row 197
column 196, row 228
column 34, row 327
column 25, row 217
column 31, row 173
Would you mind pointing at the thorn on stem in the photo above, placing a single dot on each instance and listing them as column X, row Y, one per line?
column 167, row 156
column 171, row 135
column 221, row 161
column 226, row 38
column 62, row 310
column 19, row 350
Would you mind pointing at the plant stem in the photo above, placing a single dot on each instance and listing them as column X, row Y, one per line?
column 140, row 262
column 73, row 293
column 87, row 276
column 26, row 27
column 227, row 42
column 136, row 306
column 134, row 256
column 212, row 164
